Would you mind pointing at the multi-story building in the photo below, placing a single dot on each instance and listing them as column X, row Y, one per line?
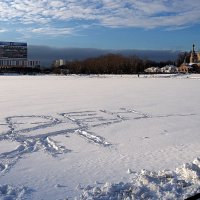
column 33, row 63
column 14, row 54
column 58, row 63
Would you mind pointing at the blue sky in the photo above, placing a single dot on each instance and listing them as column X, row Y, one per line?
column 104, row 24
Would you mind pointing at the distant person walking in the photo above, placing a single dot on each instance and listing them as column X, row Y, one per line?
column 138, row 75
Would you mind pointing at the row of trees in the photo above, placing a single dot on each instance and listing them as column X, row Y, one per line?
column 110, row 64
column 107, row 64
column 183, row 57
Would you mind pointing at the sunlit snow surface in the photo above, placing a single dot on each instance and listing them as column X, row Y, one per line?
column 90, row 137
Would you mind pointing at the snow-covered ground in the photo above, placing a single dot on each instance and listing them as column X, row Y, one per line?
column 99, row 137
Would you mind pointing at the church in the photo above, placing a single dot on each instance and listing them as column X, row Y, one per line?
column 195, row 57
column 193, row 65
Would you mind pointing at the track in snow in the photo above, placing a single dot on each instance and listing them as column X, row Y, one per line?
column 36, row 132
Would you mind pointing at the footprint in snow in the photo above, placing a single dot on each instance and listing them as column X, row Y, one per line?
column 165, row 132
column 145, row 137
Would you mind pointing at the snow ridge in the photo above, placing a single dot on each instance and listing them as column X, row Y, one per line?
column 8, row 192
column 179, row 184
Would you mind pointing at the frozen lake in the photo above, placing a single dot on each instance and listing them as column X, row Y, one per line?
column 60, row 135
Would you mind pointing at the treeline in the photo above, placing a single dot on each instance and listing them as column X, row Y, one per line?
column 183, row 57
column 109, row 64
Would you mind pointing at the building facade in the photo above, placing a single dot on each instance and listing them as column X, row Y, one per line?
column 193, row 65
column 33, row 63
column 13, row 54
column 194, row 57
column 58, row 63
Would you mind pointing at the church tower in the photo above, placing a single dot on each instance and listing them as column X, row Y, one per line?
column 193, row 56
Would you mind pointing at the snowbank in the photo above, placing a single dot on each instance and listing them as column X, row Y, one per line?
column 179, row 184
column 8, row 192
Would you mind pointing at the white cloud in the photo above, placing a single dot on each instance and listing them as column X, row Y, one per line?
column 3, row 30
column 175, row 28
column 57, row 4
column 51, row 31
column 110, row 13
